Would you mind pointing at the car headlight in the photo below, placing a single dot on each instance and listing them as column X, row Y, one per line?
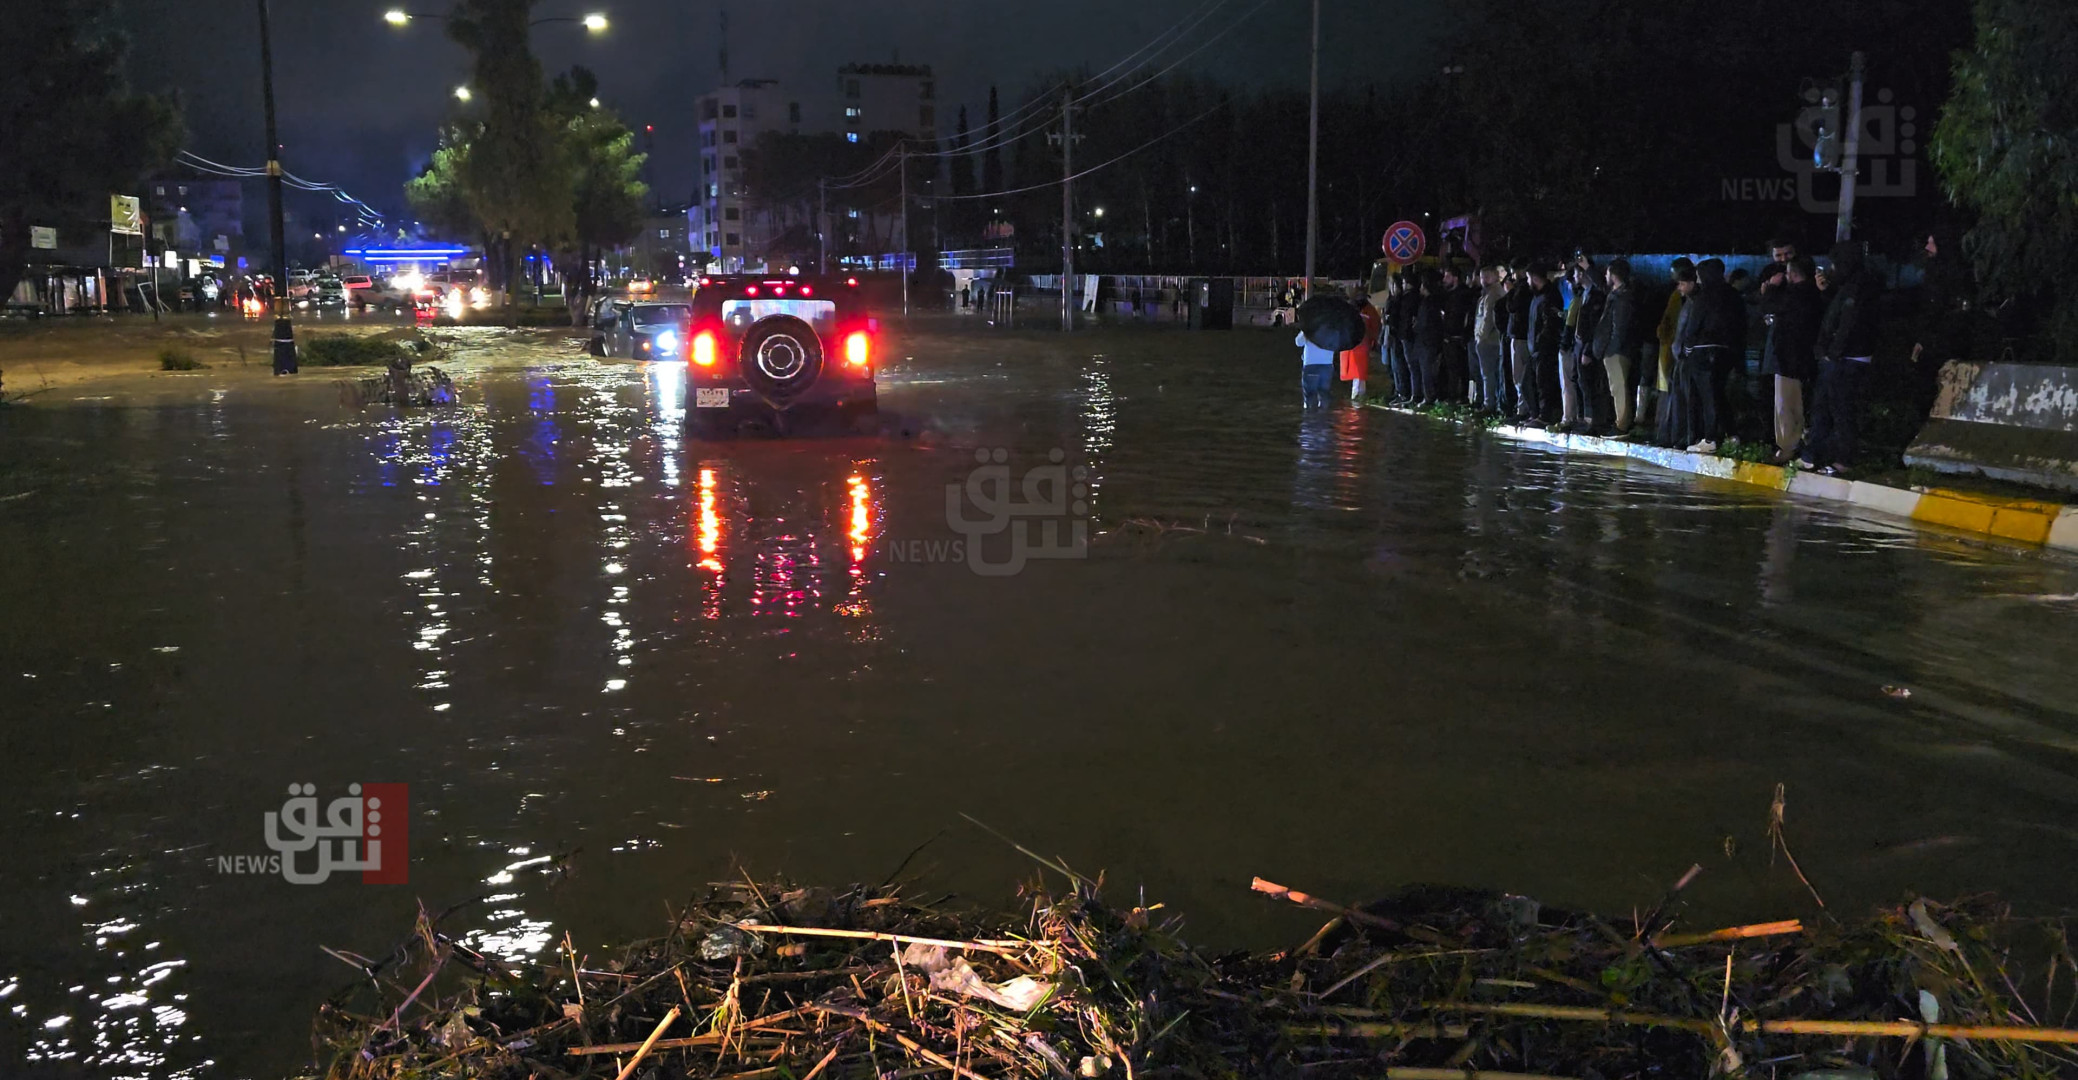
column 667, row 341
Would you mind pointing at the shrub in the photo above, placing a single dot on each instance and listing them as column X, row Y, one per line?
column 175, row 358
column 347, row 350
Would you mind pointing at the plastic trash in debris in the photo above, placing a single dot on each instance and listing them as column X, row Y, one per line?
column 954, row 974
column 1899, row 692
column 724, row 942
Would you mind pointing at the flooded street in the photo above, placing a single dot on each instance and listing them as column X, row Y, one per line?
column 1347, row 651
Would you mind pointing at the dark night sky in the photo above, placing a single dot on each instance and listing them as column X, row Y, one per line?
column 360, row 101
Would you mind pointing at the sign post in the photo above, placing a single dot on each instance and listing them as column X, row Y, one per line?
column 1404, row 243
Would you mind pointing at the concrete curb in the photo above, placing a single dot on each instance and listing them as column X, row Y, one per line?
column 2025, row 521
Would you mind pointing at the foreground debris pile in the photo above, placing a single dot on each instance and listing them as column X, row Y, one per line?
column 761, row 981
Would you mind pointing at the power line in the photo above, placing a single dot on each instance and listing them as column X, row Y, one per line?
column 1161, row 43
column 1094, row 168
column 1230, row 28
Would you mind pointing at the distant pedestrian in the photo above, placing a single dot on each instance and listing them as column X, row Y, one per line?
column 1425, row 349
column 1847, row 348
column 1460, row 308
column 1356, row 363
column 1316, row 372
column 1398, row 314
column 1547, row 325
column 1521, row 372
column 1489, row 332
column 1616, row 342
column 1710, row 344
column 1789, row 360
column 1670, row 321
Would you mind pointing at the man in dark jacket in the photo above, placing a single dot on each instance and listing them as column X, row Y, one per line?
column 1520, row 371
column 1846, row 348
column 1398, row 324
column 1547, row 322
column 1460, row 303
column 1580, row 371
column 1425, row 346
column 1788, row 362
column 1708, row 348
column 1616, row 342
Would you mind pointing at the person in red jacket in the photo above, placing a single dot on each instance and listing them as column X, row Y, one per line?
column 1356, row 363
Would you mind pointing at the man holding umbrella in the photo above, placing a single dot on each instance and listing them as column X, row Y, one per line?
column 1328, row 325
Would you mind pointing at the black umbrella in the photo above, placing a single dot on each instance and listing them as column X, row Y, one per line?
column 1331, row 323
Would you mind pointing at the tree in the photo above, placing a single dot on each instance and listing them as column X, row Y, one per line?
column 518, row 177
column 436, row 195
column 992, row 158
column 610, row 197
column 71, row 131
column 2004, row 146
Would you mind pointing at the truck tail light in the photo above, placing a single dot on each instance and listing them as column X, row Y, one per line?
column 858, row 348
column 703, row 349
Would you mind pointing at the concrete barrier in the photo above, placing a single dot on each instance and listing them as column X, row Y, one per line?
column 2016, row 422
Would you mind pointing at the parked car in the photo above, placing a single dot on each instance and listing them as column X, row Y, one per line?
column 645, row 331
column 776, row 349
column 331, row 292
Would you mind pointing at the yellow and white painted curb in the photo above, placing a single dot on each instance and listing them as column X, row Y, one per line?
column 2025, row 521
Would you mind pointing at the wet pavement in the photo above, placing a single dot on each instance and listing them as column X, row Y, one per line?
column 1346, row 651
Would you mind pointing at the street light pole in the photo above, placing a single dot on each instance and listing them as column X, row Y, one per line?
column 902, row 162
column 1850, row 160
column 1068, row 209
column 1313, row 158
column 284, row 330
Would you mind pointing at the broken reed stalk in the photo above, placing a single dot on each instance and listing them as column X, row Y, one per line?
column 909, row 1044
column 1418, row 1072
column 1307, row 900
column 648, row 1044
column 1730, row 933
column 1893, row 1028
column 999, row 949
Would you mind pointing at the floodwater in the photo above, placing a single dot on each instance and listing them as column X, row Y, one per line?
column 1346, row 651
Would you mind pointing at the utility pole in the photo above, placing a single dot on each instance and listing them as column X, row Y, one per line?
column 822, row 226
column 1068, row 209
column 284, row 331
column 902, row 162
column 1850, row 158
column 1313, row 159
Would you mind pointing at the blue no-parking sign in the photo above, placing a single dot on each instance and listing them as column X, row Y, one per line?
column 1404, row 243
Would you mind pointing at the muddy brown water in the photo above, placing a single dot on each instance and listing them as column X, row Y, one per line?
column 1346, row 651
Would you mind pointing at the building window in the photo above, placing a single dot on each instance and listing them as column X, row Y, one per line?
column 730, row 240
column 926, row 89
column 729, row 162
column 927, row 117
column 851, row 88
column 714, row 190
column 707, row 109
column 184, row 191
column 665, row 234
column 707, row 138
column 728, row 112
column 730, row 213
column 160, row 190
column 853, row 136
column 793, row 112
column 729, row 136
column 854, row 212
column 851, row 112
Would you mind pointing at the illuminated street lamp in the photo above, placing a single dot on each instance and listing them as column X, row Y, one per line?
column 594, row 22
column 595, row 103
column 461, row 93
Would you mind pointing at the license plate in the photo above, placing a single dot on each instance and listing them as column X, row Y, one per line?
column 711, row 397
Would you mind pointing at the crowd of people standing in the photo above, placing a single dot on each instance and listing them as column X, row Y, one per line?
column 1577, row 346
